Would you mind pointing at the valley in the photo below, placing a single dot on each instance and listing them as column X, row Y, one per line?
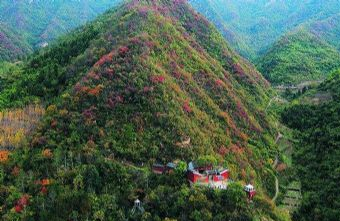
column 169, row 110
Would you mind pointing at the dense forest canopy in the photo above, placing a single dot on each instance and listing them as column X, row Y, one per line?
column 30, row 24
column 298, row 57
column 258, row 24
column 318, row 153
column 148, row 112
column 127, row 91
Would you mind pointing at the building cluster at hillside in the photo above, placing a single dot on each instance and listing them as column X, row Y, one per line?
column 205, row 176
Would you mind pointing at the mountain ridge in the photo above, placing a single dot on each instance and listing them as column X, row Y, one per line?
column 40, row 22
column 149, row 75
column 297, row 57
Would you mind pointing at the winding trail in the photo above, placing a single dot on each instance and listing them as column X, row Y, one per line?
column 277, row 190
column 270, row 102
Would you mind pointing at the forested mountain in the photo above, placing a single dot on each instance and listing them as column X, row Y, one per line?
column 318, row 153
column 150, row 81
column 298, row 57
column 290, row 41
column 33, row 23
column 327, row 29
column 11, row 44
column 258, row 24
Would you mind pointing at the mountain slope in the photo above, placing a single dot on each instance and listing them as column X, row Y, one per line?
column 258, row 24
column 327, row 29
column 212, row 11
column 38, row 22
column 146, row 77
column 317, row 153
column 298, row 56
column 11, row 44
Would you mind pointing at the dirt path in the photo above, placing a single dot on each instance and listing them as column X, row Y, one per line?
column 270, row 102
column 277, row 190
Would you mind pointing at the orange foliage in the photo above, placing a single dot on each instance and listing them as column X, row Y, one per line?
column 4, row 156
column 47, row 153
column 45, row 182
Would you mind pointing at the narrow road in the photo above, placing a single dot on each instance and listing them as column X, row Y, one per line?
column 279, row 136
column 276, row 189
column 270, row 102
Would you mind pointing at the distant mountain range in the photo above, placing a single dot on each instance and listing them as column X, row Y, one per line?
column 258, row 24
column 297, row 57
column 30, row 24
column 260, row 30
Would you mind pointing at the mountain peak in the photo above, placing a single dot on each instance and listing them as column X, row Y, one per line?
column 151, row 81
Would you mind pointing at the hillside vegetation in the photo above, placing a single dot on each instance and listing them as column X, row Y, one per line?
column 17, row 124
column 30, row 24
column 126, row 91
column 12, row 46
column 317, row 154
column 297, row 57
column 257, row 25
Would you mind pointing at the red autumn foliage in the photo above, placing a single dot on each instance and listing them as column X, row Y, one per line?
column 95, row 91
column 119, row 99
column 256, row 129
column 22, row 203
column 54, row 123
column 109, row 72
column 15, row 171
column 123, row 50
column 18, row 208
column 223, row 151
column 186, row 107
column 106, row 58
column 24, row 200
column 241, row 111
column 239, row 70
column 77, row 88
column 219, row 82
column 157, row 79
column 44, row 190
column 150, row 44
column 111, row 103
column 236, row 149
column 93, row 75
column 148, row 89
column 177, row 74
column 143, row 11
column 281, row 167
column 89, row 113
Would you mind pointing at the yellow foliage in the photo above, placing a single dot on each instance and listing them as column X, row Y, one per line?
column 51, row 109
column 15, row 124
